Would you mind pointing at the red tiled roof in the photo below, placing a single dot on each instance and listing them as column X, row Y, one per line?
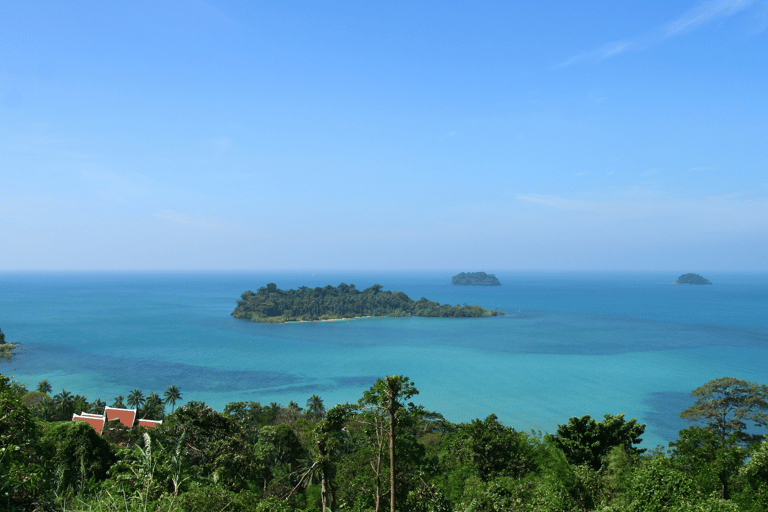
column 94, row 420
column 149, row 423
column 125, row 416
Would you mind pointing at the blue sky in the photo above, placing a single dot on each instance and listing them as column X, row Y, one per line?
column 399, row 135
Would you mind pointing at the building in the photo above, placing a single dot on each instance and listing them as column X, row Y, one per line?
column 125, row 416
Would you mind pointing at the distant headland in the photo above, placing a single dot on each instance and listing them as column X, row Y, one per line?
column 475, row 279
column 691, row 279
column 272, row 305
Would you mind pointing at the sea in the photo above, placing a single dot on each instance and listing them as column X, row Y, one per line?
column 570, row 343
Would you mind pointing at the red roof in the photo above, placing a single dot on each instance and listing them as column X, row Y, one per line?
column 97, row 422
column 149, row 423
column 125, row 416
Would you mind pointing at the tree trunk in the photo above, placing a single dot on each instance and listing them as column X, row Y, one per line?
column 392, row 416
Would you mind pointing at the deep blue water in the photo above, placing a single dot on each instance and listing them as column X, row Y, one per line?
column 571, row 343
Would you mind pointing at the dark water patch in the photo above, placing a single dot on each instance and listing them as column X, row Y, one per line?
column 354, row 382
column 148, row 374
column 664, row 414
column 360, row 382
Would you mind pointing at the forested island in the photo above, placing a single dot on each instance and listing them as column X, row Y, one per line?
column 272, row 305
column 380, row 452
column 475, row 279
column 691, row 279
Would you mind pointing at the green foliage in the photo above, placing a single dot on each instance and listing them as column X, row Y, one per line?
column 211, row 498
column 709, row 460
column 203, row 430
column 270, row 304
column 585, row 441
column 252, row 414
column 35, row 399
column 750, row 491
column 725, row 405
column 381, row 452
column 21, row 465
column 75, row 454
column 495, row 450
column 659, row 486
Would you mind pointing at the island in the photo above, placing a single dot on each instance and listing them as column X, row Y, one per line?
column 691, row 279
column 475, row 279
column 272, row 305
column 6, row 349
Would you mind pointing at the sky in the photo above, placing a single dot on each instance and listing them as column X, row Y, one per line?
column 227, row 135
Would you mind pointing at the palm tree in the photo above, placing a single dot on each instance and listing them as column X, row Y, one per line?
column 118, row 403
column 315, row 407
column 172, row 394
column 98, row 406
column 154, row 408
column 45, row 387
column 80, row 404
column 65, row 404
column 135, row 399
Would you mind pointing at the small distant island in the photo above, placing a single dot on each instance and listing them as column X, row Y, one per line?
column 691, row 279
column 6, row 349
column 475, row 279
column 272, row 305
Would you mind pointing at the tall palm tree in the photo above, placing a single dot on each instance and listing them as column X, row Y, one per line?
column 315, row 407
column 136, row 399
column 64, row 404
column 45, row 387
column 172, row 394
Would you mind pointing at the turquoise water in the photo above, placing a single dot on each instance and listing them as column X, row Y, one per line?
column 571, row 344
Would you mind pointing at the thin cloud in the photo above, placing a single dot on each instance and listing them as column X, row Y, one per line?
column 703, row 14
column 691, row 20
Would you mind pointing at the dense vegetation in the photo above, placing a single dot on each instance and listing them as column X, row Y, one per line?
column 691, row 279
column 270, row 304
column 381, row 452
column 475, row 279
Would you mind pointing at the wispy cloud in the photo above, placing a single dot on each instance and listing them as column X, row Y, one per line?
column 691, row 20
column 704, row 13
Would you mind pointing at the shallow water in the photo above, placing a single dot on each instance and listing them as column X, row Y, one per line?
column 571, row 343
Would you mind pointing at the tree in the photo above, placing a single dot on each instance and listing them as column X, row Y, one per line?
column 725, row 405
column 328, row 434
column 45, row 387
column 118, row 403
column 387, row 395
column 65, row 404
column 136, row 399
column 496, row 450
column 154, row 408
column 315, row 407
column 21, row 463
column 585, row 441
column 709, row 461
column 171, row 395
